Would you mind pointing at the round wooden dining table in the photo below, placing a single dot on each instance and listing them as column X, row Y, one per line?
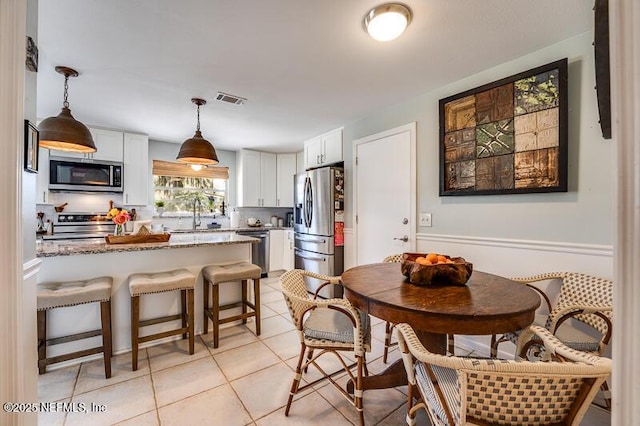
column 488, row 304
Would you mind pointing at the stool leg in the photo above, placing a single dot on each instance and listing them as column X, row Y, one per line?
column 192, row 317
column 42, row 340
column 216, row 315
column 205, row 299
column 183, row 312
column 135, row 318
column 105, row 316
column 256, row 292
column 244, row 300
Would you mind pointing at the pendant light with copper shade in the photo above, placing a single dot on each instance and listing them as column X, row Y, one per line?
column 63, row 132
column 197, row 150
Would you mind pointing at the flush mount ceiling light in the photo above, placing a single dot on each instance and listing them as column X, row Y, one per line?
column 197, row 150
column 64, row 132
column 387, row 21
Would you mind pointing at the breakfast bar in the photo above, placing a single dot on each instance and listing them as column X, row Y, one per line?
column 83, row 259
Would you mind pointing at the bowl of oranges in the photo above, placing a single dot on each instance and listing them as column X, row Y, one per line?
column 433, row 269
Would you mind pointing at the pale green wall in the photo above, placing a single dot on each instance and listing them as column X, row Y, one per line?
column 582, row 215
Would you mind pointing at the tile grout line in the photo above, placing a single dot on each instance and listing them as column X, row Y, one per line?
column 75, row 383
column 153, row 388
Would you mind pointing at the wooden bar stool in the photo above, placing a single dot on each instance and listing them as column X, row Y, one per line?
column 160, row 282
column 63, row 294
column 218, row 274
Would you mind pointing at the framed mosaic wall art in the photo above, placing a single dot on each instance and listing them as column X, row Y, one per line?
column 507, row 137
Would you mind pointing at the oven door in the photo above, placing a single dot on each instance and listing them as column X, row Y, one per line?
column 68, row 174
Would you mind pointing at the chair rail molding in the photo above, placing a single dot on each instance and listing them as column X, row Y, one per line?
column 512, row 257
column 13, row 17
column 625, row 90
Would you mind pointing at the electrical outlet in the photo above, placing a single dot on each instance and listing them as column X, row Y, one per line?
column 425, row 219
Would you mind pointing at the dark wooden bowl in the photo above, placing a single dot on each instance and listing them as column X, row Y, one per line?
column 456, row 273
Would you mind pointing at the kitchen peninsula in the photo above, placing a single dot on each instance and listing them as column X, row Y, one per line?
column 82, row 259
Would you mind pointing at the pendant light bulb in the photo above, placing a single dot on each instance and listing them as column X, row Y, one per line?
column 197, row 150
column 197, row 167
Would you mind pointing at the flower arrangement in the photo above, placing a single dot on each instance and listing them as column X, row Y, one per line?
column 119, row 216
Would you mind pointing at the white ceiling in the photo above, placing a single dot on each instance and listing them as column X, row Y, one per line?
column 306, row 67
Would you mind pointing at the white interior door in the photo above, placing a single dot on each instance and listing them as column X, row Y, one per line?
column 385, row 194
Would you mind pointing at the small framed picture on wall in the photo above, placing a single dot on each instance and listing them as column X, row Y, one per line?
column 30, row 147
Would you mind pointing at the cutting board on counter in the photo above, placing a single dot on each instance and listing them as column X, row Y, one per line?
column 138, row 238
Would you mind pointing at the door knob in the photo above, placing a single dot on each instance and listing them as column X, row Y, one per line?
column 404, row 239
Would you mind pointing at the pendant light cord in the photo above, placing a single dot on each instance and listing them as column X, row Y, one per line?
column 66, row 91
column 198, row 128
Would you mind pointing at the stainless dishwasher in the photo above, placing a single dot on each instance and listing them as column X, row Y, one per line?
column 259, row 251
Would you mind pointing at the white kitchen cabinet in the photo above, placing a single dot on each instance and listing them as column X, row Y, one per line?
column 109, row 145
column 300, row 162
column 286, row 170
column 256, row 179
column 288, row 259
column 276, row 245
column 42, row 181
column 323, row 150
column 135, row 176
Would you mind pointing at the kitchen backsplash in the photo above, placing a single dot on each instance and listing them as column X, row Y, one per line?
column 99, row 203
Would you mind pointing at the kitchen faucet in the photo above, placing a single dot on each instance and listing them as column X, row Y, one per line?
column 197, row 204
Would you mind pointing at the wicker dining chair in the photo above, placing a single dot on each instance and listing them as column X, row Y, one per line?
column 388, row 327
column 475, row 391
column 327, row 326
column 582, row 297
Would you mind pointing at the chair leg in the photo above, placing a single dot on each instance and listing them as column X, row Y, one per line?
column 191, row 315
column 107, row 348
column 607, row 394
column 244, row 300
column 309, row 356
column 216, row 315
column 205, row 300
column 42, row 340
column 358, row 391
column 387, row 341
column 183, row 312
column 135, row 318
column 256, row 292
column 494, row 346
column 296, row 380
column 451, row 342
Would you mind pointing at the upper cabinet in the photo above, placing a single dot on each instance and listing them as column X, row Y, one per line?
column 286, row 171
column 256, row 179
column 323, row 150
column 135, row 176
column 109, row 144
column 42, row 181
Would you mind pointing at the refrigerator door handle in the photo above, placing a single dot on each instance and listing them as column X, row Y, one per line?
column 311, row 240
column 308, row 202
column 300, row 255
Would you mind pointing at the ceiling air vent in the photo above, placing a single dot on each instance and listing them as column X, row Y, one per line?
column 232, row 99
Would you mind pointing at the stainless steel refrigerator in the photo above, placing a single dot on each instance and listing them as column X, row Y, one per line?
column 319, row 225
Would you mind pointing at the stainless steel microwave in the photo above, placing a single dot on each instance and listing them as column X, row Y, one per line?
column 76, row 174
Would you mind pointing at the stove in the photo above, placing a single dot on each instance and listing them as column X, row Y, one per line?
column 73, row 226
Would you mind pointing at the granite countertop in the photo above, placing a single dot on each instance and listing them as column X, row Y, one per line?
column 54, row 248
column 245, row 228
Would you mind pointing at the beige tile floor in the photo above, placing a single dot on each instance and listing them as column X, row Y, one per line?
column 243, row 382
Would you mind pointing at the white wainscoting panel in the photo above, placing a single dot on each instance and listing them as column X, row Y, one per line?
column 518, row 258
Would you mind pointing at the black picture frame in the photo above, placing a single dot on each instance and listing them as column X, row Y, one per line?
column 472, row 123
column 31, row 139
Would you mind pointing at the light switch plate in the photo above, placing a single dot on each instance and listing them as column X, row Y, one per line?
column 425, row 219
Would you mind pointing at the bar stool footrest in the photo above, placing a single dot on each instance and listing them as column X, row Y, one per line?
column 162, row 335
column 72, row 355
column 73, row 337
column 159, row 320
